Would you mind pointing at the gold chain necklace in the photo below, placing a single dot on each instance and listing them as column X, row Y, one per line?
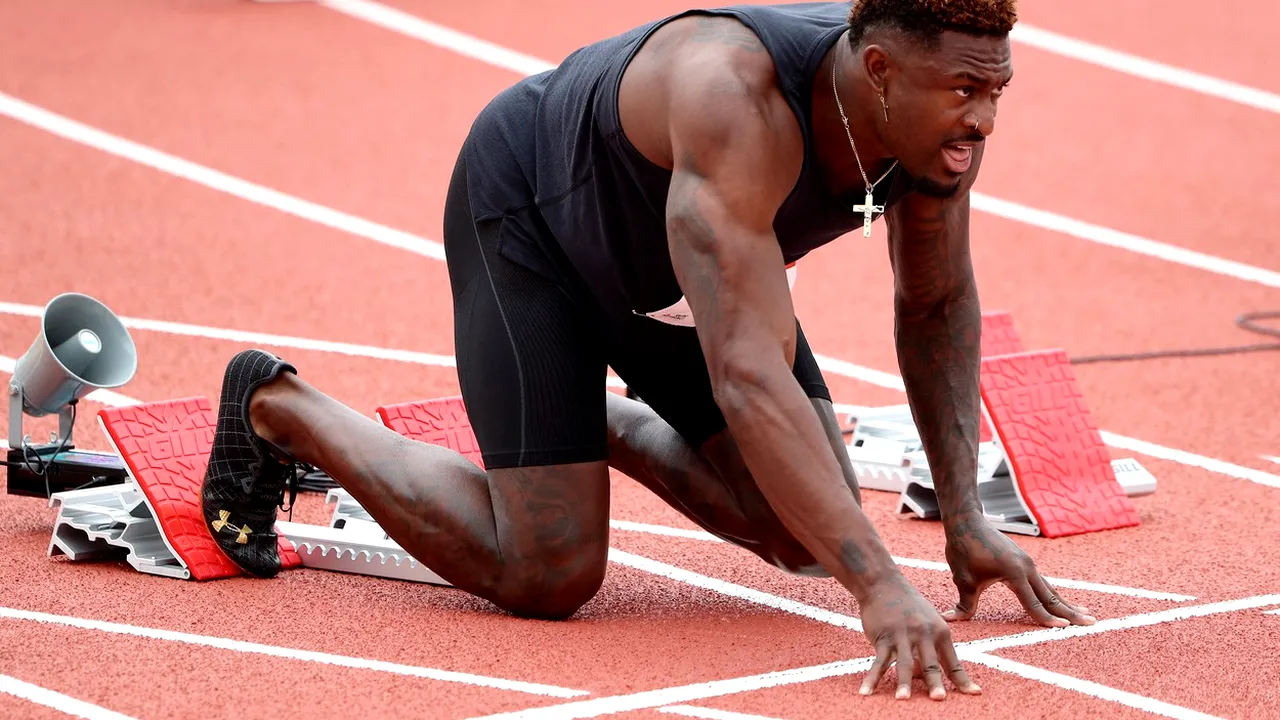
column 868, row 206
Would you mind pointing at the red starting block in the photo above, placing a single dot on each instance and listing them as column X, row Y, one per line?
column 1043, row 468
column 154, row 519
column 1059, row 465
column 438, row 421
column 999, row 337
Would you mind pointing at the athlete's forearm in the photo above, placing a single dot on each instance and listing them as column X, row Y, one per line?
column 938, row 354
column 789, row 455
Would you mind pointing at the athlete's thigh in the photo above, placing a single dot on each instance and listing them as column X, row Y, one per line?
column 530, row 365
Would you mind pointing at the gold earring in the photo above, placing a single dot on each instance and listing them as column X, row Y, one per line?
column 884, row 105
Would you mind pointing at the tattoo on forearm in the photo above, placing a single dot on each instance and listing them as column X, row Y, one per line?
column 939, row 348
column 692, row 235
column 853, row 557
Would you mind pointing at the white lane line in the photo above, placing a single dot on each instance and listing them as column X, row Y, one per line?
column 1087, row 687
column 894, row 382
column 1272, row 612
column 1183, row 612
column 257, row 338
column 292, row 653
column 84, row 134
column 199, row 174
column 498, row 56
column 1144, row 68
column 242, row 336
column 709, row 713
column 838, row 367
column 470, row 46
column 1064, row 583
column 686, row 693
column 608, row 705
column 733, row 590
column 1271, row 458
column 390, row 18
column 1182, row 457
column 1122, row 240
column 628, row 526
column 56, row 700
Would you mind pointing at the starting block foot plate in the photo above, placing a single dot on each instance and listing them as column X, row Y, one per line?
column 154, row 519
column 165, row 447
column 1059, row 465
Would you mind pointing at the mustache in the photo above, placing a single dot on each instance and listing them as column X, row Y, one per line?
column 974, row 137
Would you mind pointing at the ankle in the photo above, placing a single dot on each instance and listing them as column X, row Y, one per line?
column 265, row 406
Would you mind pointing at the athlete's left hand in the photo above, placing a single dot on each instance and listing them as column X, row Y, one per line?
column 981, row 556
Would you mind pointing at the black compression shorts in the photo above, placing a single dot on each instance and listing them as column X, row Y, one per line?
column 533, row 347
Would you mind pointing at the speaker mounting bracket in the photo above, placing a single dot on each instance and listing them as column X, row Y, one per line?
column 16, row 438
column 56, row 466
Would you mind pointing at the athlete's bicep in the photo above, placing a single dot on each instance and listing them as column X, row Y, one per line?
column 734, row 163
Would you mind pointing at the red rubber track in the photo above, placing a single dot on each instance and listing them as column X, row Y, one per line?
column 310, row 102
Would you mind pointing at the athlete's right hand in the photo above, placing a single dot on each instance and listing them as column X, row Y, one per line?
column 902, row 625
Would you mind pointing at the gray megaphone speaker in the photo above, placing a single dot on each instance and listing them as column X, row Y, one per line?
column 82, row 347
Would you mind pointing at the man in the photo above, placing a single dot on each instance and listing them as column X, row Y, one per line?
column 685, row 163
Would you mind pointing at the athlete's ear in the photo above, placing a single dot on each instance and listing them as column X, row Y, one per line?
column 877, row 65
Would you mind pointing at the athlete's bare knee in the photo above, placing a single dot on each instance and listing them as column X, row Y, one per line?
column 539, row 590
column 553, row 535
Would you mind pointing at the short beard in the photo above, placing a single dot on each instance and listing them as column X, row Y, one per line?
column 929, row 188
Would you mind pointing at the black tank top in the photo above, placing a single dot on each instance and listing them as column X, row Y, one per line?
column 603, row 202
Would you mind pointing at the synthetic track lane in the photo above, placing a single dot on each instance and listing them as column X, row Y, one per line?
column 201, row 227
column 151, row 245
column 154, row 679
column 1176, row 519
column 1227, row 507
column 1002, row 678
column 372, row 277
column 1234, row 40
column 1136, row 156
column 1187, row 508
column 15, row 707
column 1004, row 697
column 1000, row 612
column 1221, row 665
column 1086, row 300
column 674, row 633
column 259, row 91
column 1123, row 132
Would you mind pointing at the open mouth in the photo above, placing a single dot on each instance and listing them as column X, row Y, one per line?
column 957, row 156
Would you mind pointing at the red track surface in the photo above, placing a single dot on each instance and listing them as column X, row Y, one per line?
column 308, row 101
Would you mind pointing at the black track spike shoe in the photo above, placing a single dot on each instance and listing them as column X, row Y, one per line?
column 247, row 476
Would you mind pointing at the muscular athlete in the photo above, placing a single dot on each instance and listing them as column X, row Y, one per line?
column 684, row 164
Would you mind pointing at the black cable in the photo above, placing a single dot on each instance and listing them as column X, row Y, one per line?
column 43, row 466
column 1247, row 322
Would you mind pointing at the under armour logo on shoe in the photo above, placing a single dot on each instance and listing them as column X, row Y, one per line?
column 221, row 522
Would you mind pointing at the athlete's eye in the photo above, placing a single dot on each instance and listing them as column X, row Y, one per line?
column 964, row 92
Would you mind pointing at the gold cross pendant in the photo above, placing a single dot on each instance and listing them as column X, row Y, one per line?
column 867, row 209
